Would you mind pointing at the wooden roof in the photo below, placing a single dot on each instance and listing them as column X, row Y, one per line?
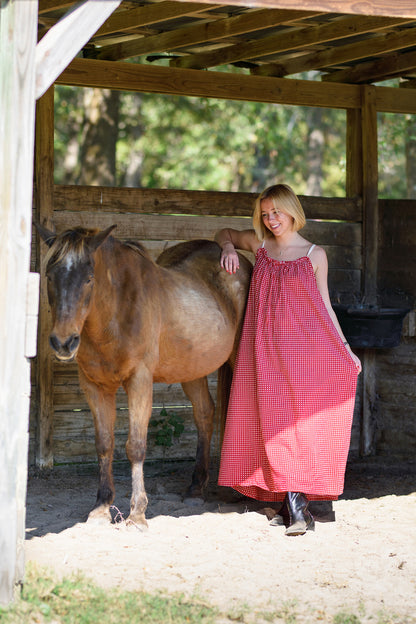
column 279, row 42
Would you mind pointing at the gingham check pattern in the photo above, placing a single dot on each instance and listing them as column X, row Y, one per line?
column 292, row 398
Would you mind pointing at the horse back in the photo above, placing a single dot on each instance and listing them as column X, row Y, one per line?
column 201, row 259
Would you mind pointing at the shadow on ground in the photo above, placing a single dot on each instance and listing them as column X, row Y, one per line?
column 59, row 498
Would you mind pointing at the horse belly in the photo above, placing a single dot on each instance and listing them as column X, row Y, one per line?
column 195, row 351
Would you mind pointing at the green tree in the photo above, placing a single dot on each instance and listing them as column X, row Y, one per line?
column 197, row 143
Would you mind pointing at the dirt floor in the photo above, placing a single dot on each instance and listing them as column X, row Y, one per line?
column 223, row 550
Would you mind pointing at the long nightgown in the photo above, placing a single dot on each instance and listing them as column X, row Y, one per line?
column 292, row 399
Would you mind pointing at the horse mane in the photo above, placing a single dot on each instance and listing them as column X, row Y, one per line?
column 75, row 242
column 138, row 248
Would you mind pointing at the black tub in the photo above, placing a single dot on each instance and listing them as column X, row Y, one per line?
column 371, row 327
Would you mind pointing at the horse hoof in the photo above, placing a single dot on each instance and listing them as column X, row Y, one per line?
column 195, row 491
column 99, row 516
column 138, row 523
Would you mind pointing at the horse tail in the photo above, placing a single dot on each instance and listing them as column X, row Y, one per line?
column 225, row 375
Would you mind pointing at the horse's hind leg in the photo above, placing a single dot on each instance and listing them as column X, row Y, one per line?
column 204, row 410
column 103, row 409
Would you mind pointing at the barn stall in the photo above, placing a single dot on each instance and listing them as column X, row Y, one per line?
column 369, row 241
column 351, row 50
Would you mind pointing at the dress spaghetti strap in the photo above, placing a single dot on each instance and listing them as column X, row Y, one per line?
column 311, row 248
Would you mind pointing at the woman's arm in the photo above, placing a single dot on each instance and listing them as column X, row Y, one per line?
column 320, row 264
column 229, row 240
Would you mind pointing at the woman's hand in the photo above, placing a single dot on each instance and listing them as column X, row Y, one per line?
column 229, row 258
column 356, row 359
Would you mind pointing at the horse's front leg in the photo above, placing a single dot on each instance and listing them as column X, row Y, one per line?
column 103, row 408
column 139, row 389
column 204, row 410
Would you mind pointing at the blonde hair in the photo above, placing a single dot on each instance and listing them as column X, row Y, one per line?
column 284, row 199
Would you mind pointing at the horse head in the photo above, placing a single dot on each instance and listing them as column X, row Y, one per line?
column 70, row 264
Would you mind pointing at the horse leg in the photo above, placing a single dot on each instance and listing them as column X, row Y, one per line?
column 103, row 409
column 139, row 390
column 204, row 410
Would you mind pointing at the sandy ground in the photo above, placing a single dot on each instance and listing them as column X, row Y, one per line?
column 223, row 550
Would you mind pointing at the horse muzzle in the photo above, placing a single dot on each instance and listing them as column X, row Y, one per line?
column 65, row 351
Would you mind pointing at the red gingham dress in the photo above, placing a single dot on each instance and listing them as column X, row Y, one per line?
column 292, row 398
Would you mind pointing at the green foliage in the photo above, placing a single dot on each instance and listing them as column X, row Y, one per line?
column 193, row 143
column 210, row 144
column 168, row 426
column 397, row 155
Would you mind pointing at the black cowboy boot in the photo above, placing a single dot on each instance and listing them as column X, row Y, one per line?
column 301, row 520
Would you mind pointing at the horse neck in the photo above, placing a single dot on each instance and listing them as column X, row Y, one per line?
column 117, row 268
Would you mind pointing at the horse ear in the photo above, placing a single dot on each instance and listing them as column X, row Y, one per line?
column 99, row 238
column 48, row 236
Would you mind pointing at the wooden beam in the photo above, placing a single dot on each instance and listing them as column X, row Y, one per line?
column 176, row 228
column 44, row 186
column 172, row 201
column 53, row 5
column 18, row 31
column 150, row 14
column 393, row 100
column 175, row 81
column 379, row 44
column 200, row 33
column 291, row 39
column 388, row 8
column 64, row 40
column 380, row 69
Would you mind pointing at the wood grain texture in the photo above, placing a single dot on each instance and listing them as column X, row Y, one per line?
column 18, row 25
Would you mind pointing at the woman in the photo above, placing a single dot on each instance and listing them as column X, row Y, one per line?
column 291, row 405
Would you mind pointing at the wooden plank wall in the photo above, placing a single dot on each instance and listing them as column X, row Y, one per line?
column 396, row 368
column 159, row 218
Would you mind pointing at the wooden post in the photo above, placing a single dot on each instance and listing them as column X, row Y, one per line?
column 362, row 180
column 18, row 31
column 370, row 241
column 370, row 257
column 44, row 180
column 370, row 193
column 354, row 181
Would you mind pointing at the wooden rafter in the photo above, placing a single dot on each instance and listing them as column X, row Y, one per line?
column 53, row 5
column 266, row 37
column 373, row 71
column 284, row 41
column 150, row 14
column 200, row 33
column 388, row 8
column 380, row 43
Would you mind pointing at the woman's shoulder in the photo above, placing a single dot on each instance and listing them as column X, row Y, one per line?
column 317, row 255
column 311, row 249
column 316, row 251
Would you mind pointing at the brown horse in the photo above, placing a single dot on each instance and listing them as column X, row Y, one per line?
column 129, row 322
